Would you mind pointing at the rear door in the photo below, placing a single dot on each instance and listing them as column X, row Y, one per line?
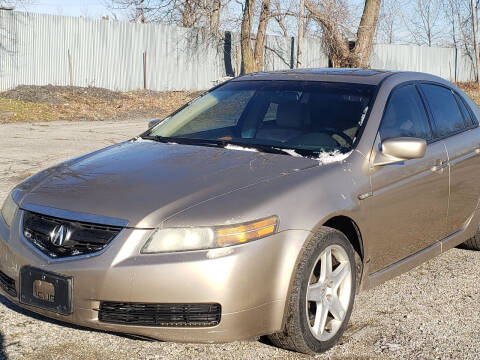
column 455, row 123
column 408, row 206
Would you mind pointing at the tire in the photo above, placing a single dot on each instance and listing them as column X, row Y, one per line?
column 473, row 243
column 302, row 324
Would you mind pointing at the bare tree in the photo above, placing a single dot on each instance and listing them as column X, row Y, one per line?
column 11, row 4
column 301, row 31
column 388, row 21
column 450, row 9
column 215, row 16
column 186, row 13
column 474, row 4
column 190, row 11
column 252, row 60
column 459, row 16
column 261, row 35
column 424, row 22
column 280, row 11
column 248, row 61
column 140, row 12
column 331, row 15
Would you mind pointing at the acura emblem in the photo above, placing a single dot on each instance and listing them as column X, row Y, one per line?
column 60, row 235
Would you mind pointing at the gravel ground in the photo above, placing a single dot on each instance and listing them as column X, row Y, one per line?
column 432, row 312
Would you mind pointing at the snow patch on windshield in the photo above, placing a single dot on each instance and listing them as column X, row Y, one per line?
column 323, row 157
column 240, row 148
column 139, row 139
column 222, row 80
column 333, row 156
column 291, row 152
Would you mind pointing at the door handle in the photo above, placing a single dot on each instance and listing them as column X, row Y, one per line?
column 439, row 166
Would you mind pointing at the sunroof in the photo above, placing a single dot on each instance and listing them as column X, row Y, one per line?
column 342, row 71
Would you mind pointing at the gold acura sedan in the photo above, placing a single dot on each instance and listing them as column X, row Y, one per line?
column 259, row 208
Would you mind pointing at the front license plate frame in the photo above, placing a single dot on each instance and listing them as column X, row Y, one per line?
column 57, row 296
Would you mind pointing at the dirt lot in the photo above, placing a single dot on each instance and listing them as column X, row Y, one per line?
column 432, row 312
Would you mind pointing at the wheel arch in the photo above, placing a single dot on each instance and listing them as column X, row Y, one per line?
column 350, row 229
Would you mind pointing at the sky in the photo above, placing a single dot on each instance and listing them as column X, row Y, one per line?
column 97, row 9
column 86, row 8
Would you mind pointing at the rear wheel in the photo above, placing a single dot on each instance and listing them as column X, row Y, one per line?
column 473, row 243
column 322, row 294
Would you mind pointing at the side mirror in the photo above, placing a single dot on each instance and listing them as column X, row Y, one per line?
column 153, row 122
column 400, row 149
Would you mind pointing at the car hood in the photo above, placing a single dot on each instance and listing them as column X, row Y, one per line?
column 145, row 182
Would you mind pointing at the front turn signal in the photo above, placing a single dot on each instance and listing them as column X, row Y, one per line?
column 239, row 234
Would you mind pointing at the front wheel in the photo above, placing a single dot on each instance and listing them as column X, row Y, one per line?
column 322, row 294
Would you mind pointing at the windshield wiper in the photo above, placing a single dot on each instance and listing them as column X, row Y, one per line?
column 156, row 138
column 224, row 143
column 187, row 141
column 262, row 148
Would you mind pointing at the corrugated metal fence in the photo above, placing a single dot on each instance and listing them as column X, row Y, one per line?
column 449, row 63
column 37, row 49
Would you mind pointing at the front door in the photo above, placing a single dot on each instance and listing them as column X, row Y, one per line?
column 409, row 202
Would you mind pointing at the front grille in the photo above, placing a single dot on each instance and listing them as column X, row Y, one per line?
column 8, row 285
column 80, row 238
column 174, row 315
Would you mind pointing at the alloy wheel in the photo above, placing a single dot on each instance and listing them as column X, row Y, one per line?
column 328, row 292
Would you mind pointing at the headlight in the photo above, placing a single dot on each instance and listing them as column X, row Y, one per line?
column 185, row 239
column 9, row 209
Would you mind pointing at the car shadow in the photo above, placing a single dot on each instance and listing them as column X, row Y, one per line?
column 3, row 354
column 464, row 247
column 11, row 306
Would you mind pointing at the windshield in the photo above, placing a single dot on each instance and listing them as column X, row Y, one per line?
column 306, row 116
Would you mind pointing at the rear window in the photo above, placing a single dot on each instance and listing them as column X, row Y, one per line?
column 447, row 116
column 466, row 114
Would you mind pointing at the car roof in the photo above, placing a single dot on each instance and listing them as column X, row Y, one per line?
column 350, row 75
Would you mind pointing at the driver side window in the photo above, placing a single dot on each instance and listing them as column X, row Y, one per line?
column 405, row 115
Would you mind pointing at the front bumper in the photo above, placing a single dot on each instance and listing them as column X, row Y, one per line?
column 249, row 281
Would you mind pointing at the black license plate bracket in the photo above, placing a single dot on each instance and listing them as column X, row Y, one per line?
column 46, row 290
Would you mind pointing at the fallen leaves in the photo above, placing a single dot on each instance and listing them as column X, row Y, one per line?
column 47, row 103
column 471, row 89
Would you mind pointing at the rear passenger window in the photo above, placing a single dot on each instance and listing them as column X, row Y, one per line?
column 405, row 115
column 444, row 107
column 465, row 112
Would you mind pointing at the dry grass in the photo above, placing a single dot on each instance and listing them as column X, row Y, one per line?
column 135, row 104
column 47, row 103
column 15, row 110
column 472, row 90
